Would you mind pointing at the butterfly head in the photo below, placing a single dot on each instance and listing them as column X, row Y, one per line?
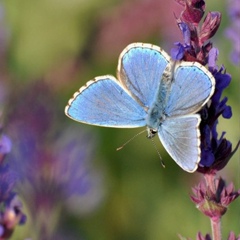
column 151, row 132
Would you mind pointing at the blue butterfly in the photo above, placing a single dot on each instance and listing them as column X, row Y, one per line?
column 150, row 90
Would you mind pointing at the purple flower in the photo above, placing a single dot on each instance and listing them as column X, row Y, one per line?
column 233, row 31
column 212, row 58
column 55, row 169
column 178, row 52
column 211, row 196
column 7, row 183
column 196, row 45
column 215, row 152
column 11, row 217
column 5, row 146
column 11, row 213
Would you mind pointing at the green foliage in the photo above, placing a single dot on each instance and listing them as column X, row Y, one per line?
column 55, row 39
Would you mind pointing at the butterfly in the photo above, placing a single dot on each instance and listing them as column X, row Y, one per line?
column 154, row 91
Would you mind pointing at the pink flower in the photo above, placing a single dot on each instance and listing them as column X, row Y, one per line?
column 214, row 200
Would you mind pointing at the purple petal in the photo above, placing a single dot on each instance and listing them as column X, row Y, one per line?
column 207, row 158
column 1, row 230
column 212, row 58
column 227, row 113
column 5, row 144
column 178, row 52
column 186, row 33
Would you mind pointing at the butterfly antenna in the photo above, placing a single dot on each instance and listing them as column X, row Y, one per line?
column 119, row 148
column 162, row 162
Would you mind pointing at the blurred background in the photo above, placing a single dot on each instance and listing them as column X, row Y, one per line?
column 74, row 184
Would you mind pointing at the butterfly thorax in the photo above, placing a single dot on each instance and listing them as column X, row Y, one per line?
column 154, row 119
column 156, row 114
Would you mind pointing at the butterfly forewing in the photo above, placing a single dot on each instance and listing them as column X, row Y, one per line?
column 104, row 102
column 140, row 70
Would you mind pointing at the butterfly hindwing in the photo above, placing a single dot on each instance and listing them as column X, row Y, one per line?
column 104, row 102
column 192, row 86
column 181, row 138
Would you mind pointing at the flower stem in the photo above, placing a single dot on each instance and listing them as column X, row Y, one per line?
column 215, row 221
column 216, row 229
column 210, row 181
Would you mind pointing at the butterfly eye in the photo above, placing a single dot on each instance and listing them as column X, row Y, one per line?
column 151, row 133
